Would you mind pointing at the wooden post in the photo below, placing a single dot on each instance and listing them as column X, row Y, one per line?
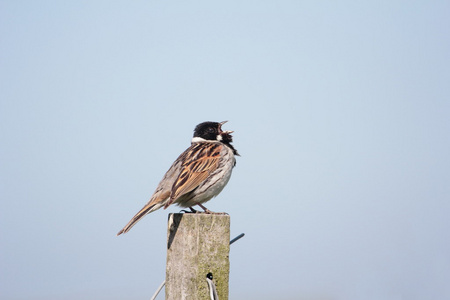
column 197, row 244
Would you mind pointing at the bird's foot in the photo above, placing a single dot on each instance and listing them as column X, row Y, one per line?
column 207, row 211
column 193, row 211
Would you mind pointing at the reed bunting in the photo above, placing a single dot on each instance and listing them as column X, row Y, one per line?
column 197, row 175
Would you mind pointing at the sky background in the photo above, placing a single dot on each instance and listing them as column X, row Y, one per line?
column 341, row 112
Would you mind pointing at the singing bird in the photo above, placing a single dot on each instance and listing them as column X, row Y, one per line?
column 197, row 175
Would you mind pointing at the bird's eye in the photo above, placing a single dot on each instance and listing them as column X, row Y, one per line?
column 210, row 130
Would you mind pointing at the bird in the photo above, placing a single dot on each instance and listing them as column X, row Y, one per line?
column 197, row 175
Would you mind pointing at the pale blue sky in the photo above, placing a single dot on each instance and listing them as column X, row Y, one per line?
column 340, row 112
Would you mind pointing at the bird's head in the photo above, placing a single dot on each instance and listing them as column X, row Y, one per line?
column 212, row 131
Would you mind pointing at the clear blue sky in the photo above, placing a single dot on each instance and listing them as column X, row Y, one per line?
column 340, row 111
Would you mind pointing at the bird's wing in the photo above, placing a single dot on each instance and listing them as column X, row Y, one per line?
column 186, row 173
column 198, row 162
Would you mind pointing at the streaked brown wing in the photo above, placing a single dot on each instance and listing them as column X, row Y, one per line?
column 198, row 163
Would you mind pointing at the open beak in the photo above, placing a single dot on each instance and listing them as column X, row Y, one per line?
column 220, row 125
column 226, row 131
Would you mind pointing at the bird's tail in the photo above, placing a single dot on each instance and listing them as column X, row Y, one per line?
column 148, row 208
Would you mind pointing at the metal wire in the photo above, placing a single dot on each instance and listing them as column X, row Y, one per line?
column 237, row 238
column 158, row 290
column 212, row 287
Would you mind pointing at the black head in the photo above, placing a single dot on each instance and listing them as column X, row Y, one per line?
column 212, row 131
column 208, row 130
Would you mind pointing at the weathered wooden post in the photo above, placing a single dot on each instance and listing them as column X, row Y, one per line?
column 197, row 244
